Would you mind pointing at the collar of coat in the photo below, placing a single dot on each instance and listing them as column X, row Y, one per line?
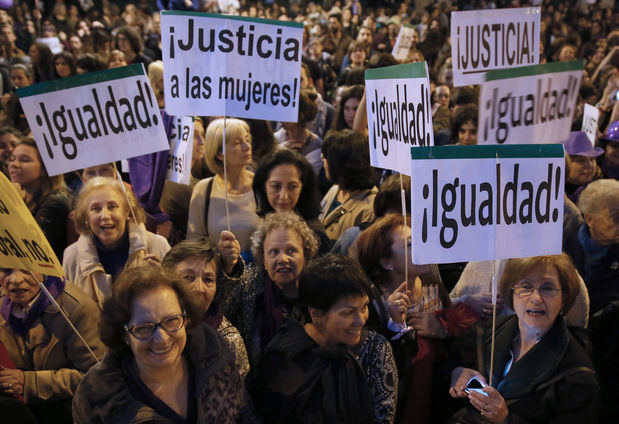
column 106, row 398
column 537, row 366
column 88, row 258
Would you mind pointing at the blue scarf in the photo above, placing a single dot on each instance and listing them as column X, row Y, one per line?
column 21, row 326
column 594, row 253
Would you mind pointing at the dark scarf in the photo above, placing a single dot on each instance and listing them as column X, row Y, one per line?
column 594, row 252
column 311, row 384
column 274, row 307
column 114, row 259
column 20, row 326
column 213, row 317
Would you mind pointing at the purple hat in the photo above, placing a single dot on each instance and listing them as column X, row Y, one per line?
column 579, row 145
column 612, row 134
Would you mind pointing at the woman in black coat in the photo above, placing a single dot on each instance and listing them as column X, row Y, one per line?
column 541, row 373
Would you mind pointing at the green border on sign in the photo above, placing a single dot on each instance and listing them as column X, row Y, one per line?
column 233, row 17
column 407, row 70
column 512, row 151
column 80, row 80
column 525, row 71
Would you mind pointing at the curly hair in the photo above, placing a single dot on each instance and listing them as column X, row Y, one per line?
column 132, row 283
column 287, row 221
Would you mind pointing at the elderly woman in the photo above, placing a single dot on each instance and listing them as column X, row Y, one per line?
column 541, row 372
column 599, row 242
column 281, row 247
column 285, row 182
column 163, row 365
column 199, row 265
column 47, row 197
column 350, row 201
column 49, row 358
column 330, row 369
column 207, row 209
column 112, row 238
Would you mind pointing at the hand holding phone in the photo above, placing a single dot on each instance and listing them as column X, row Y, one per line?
column 475, row 385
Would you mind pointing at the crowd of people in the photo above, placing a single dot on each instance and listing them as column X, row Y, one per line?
column 278, row 286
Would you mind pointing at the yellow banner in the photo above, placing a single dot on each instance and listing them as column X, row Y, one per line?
column 22, row 243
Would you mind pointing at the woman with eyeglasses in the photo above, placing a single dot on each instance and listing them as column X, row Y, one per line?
column 163, row 365
column 541, row 372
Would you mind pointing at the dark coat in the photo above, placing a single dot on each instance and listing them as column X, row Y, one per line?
column 104, row 397
column 554, row 382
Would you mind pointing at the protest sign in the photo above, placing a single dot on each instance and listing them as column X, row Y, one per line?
column 53, row 43
column 399, row 113
column 22, row 243
column 476, row 203
column 231, row 65
column 483, row 40
column 404, row 42
column 95, row 118
column 532, row 104
column 181, row 150
column 590, row 122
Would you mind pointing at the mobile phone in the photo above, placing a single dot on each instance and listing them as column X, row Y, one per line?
column 475, row 385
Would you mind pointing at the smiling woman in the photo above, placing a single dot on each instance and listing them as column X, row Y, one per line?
column 110, row 239
column 48, row 359
column 331, row 369
column 163, row 364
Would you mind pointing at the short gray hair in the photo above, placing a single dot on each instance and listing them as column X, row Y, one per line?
column 288, row 221
column 599, row 195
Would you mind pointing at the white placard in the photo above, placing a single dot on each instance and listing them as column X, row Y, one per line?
column 95, row 118
column 399, row 114
column 477, row 203
column 404, row 42
column 181, row 149
column 53, row 43
column 533, row 104
column 590, row 119
column 483, row 40
column 229, row 65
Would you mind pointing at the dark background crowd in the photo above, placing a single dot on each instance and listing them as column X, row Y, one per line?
column 280, row 289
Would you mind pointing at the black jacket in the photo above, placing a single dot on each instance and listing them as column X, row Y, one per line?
column 554, row 382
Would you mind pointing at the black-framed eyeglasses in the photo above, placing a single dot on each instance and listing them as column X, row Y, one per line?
column 544, row 291
column 145, row 331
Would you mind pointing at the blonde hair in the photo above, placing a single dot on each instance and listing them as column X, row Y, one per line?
column 213, row 140
column 98, row 183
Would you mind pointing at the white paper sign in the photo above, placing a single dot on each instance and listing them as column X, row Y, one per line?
column 533, row 104
column 477, row 203
column 590, row 122
column 404, row 42
column 53, row 43
column 399, row 114
column 95, row 118
column 229, row 65
column 483, row 40
column 181, row 150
